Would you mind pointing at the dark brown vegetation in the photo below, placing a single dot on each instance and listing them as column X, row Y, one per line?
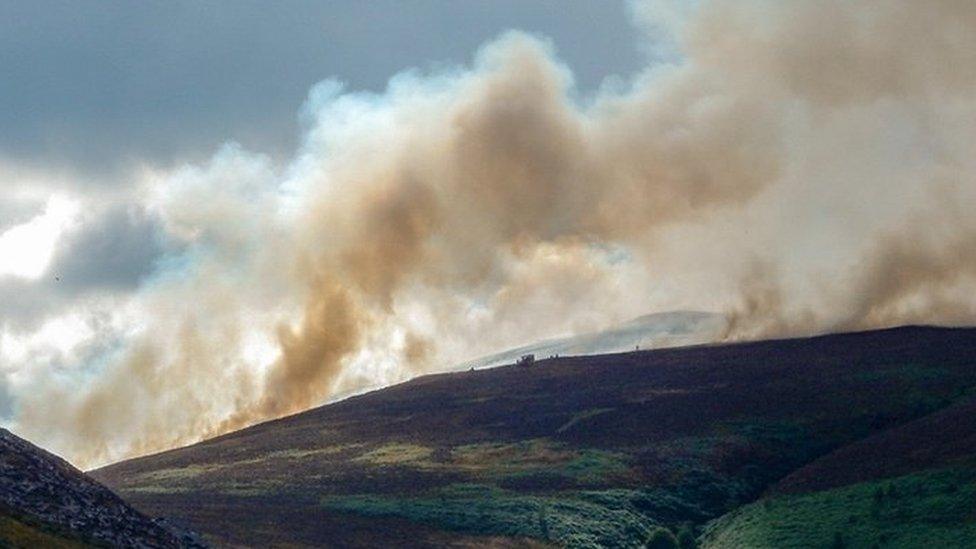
column 945, row 438
column 580, row 451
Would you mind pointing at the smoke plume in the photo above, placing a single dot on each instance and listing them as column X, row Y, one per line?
column 801, row 166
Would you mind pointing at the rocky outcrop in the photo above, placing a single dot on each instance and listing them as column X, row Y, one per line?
column 42, row 489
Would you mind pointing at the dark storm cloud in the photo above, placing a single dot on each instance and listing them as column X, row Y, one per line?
column 17, row 210
column 114, row 252
column 95, row 85
column 24, row 304
column 111, row 252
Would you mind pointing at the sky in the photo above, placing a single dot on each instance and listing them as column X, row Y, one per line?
column 96, row 88
column 213, row 213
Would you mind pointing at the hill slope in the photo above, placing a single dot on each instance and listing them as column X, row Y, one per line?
column 653, row 331
column 579, row 451
column 928, row 508
column 910, row 486
column 45, row 502
column 942, row 439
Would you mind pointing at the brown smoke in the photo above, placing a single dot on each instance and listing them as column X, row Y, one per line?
column 505, row 162
column 921, row 274
column 310, row 355
column 799, row 167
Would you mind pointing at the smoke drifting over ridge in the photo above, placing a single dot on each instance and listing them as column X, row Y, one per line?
column 802, row 166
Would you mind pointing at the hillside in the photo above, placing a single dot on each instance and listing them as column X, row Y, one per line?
column 910, row 486
column 939, row 440
column 653, row 331
column 928, row 508
column 577, row 451
column 45, row 502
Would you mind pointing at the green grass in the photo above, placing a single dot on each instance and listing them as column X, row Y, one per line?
column 195, row 473
column 494, row 461
column 758, row 453
column 294, row 453
column 575, row 519
column 927, row 509
column 531, row 453
column 595, row 466
column 17, row 534
column 396, row 454
column 178, row 474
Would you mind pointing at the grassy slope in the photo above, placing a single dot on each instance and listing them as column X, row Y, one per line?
column 944, row 438
column 909, row 486
column 932, row 508
column 580, row 451
column 597, row 519
column 19, row 534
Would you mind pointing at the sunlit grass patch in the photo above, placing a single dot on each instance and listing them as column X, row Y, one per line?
column 159, row 489
column 296, row 453
column 539, row 457
column 250, row 489
column 525, row 453
column 928, row 509
column 395, row 454
column 197, row 471
column 177, row 474
column 231, row 488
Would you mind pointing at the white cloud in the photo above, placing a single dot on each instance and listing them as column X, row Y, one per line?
column 26, row 249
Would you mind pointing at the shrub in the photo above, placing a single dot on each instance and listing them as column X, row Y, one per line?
column 878, row 495
column 543, row 523
column 686, row 537
column 661, row 538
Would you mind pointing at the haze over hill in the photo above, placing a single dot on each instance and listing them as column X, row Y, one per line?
column 653, row 331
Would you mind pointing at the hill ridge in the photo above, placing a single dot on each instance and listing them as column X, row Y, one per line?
column 908, row 328
column 605, row 447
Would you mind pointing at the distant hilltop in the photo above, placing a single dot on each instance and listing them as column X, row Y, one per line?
column 653, row 331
